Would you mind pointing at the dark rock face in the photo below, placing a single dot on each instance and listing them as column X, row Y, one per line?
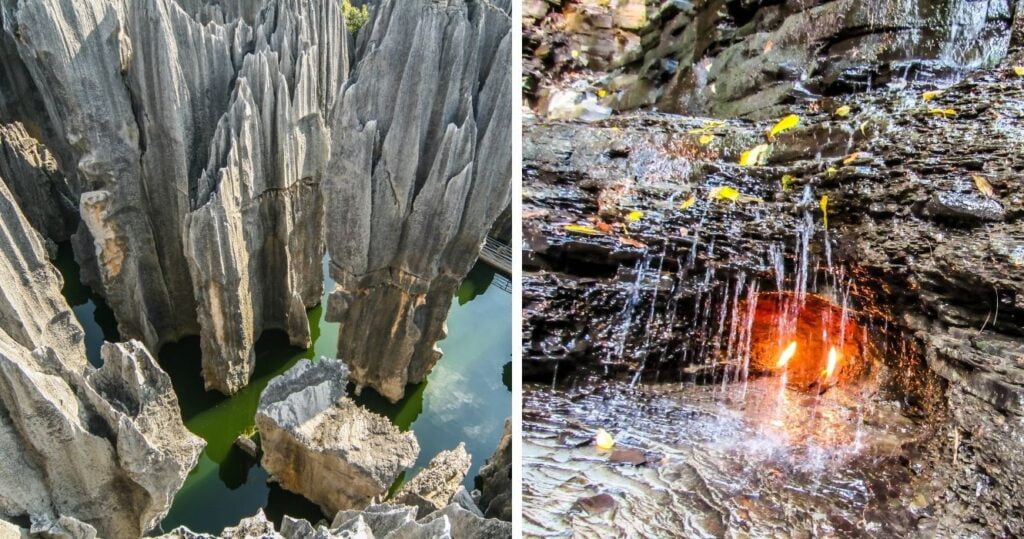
column 731, row 58
column 419, row 171
column 495, row 480
column 931, row 255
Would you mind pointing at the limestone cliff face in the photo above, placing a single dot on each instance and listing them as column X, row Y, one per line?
column 419, row 169
column 83, row 452
column 198, row 141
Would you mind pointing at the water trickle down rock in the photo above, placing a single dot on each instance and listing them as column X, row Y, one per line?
column 318, row 443
column 419, row 170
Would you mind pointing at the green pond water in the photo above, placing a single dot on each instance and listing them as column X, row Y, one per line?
column 466, row 398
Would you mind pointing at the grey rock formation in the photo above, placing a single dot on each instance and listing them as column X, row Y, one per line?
column 495, row 479
column 435, row 486
column 465, row 524
column 32, row 311
column 318, row 443
column 112, row 451
column 207, row 167
column 46, row 197
column 419, row 170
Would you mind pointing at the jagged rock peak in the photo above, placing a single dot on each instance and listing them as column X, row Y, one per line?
column 420, row 169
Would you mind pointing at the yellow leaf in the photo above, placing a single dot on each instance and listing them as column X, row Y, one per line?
column 863, row 127
column 789, row 122
column 634, row 215
column 787, row 182
column 942, row 112
column 1019, row 70
column 824, row 209
column 724, row 192
column 603, row 440
column 706, row 139
column 843, row 111
column 928, row 96
column 602, row 92
column 754, row 156
column 711, row 124
column 831, row 171
column 853, row 157
column 575, row 54
column 688, row 202
column 983, row 186
column 580, row 229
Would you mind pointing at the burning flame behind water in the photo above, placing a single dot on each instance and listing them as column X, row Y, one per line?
column 786, row 355
column 833, row 359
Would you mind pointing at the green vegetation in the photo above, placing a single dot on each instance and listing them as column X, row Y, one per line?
column 355, row 17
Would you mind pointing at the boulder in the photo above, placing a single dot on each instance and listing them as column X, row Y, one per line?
column 495, row 479
column 436, row 485
column 318, row 443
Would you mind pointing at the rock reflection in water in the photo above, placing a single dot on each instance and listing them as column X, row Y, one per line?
column 776, row 463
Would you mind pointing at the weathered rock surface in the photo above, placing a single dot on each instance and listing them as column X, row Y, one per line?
column 737, row 58
column 928, row 251
column 46, row 197
column 435, row 486
column 318, row 443
column 495, row 479
column 213, row 167
column 419, row 171
column 376, row 521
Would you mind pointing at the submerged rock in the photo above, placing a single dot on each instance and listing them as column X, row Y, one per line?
column 435, row 486
column 318, row 443
column 419, row 170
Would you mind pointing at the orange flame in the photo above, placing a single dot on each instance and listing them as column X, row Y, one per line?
column 787, row 354
column 833, row 359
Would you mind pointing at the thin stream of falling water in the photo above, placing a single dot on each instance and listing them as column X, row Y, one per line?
column 645, row 350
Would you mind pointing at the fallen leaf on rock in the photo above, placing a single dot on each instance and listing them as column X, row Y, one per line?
column 688, row 202
column 632, row 243
column 983, row 186
column 683, row 231
column 634, row 215
column 754, row 156
column 928, row 96
column 843, row 111
column 787, row 181
column 864, row 127
column 706, row 139
column 598, row 503
column 824, row 217
column 604, row 227
column 575, row 54
column 831, row 171
column 602, row 92
column 1018, row 70
column 945, row 113
column 768, row 46
column 724, row 192
column 711, row 124
column 849, row 159
column 789, row 122
column 582, row 229
column 628, row 456
column 603, row 440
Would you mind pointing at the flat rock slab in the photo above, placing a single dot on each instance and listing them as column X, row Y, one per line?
column 318, row 443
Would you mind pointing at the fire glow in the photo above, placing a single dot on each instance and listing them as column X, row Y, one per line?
column 787, row 354
column 833, row 359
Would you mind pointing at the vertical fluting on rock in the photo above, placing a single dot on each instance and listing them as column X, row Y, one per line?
column 420, row 168
column 48, row 200
column 254, row 239
column 82, row 451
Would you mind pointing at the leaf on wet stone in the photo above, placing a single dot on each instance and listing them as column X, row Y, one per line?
column 823, row 204
column 785, row 124
column 945, row 113
column 602, row 92
column 843, row 111
column 583, row 229
column 787, row 181
column 603, row 440
column 754, row 156
column 632, row 243
column 634, row 215
column 628, row 456
column 982, row 184
column 599, row 503
column 928, row 96
column 706, row 139
column 850, row 159
column 831, row 171
column 724, row 192
column 604, row 227
column 688, row 202
column 1018, row 70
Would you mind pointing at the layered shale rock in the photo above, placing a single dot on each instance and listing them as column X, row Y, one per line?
column 419, row 170
column 436, row 485
column 737, row 58
column 318, row 443
column 205, row 167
